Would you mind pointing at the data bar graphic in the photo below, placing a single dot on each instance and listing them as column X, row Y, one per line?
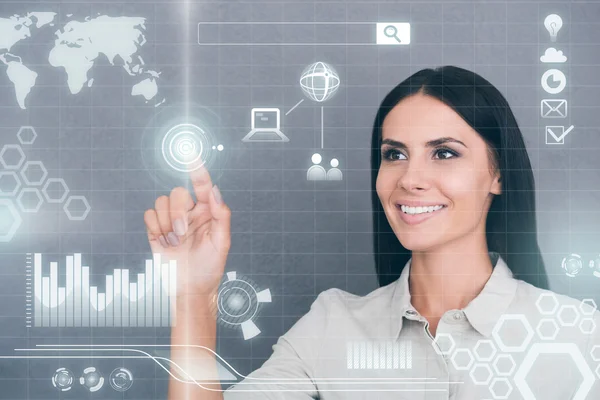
column 128, row 300
column 379, row 355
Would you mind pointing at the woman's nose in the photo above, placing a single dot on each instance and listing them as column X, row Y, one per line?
column 414, row 177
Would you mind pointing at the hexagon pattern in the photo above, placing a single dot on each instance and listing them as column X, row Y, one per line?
column 547, row 303
column 501, row 388
column 30, row 200
column 35, row 168
column 485, row 350
column 536, row 349
column 481, row 374
column 508, row 365
column 443, row 344
column 77, row 203
column 8, row 153
column 462, row 359
column 568, row 315
column 547, row 329
column 512, row 348
column 587, row 325
column 58, row 186
column 27, row 134
column 9, row 183
column 588, row 307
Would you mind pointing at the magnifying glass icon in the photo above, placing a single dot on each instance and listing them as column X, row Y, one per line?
column 392, row 32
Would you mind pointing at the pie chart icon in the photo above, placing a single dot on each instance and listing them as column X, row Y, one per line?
column 554, row 81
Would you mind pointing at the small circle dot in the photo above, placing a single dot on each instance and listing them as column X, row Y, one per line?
column 334, row 162
column 316, row 158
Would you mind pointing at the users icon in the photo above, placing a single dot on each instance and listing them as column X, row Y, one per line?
column 317, row 173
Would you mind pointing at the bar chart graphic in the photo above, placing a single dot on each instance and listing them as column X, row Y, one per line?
column 147, row 300
column 379, row 354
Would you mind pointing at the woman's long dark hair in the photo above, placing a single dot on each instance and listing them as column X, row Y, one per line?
column 511, row 222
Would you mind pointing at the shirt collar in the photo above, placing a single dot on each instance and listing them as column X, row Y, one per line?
column 482, row 312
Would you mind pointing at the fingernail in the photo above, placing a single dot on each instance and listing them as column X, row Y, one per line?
column 163, row 241
column 179, row 226
column 217, row 194
column 172, row 238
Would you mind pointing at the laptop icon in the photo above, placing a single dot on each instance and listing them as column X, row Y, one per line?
column 265, row 126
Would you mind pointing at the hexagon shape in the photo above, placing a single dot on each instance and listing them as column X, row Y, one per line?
column 30, row 200
column 526, row 340
column 481, row 374
column 485, row 350
column 10, row 220
column 508, row 366
column 9, row 183
column 547, row 303
column 568, row 315
column 35, row 168
column 59, row 186
column 588, row 307
column 595, row 352
column 77, row 214
column 462, row 359
column 27, row 134
column 597, row 371
column 547, row 329
column 501, row 388
column 587, row 325
column 554, row 348
column 443, row 344
column 12, row 156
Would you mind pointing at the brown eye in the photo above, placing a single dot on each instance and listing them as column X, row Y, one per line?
column 447, row 153
column 392, row 154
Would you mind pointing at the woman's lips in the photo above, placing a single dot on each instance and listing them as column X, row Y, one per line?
column 414, row 219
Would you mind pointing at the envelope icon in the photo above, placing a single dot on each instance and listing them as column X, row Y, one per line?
column 554, row 108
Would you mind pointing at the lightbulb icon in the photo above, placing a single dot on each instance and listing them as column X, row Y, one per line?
column 553, row 23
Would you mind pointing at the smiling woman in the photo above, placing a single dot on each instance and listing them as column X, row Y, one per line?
column 462, row 279
column 480, row 171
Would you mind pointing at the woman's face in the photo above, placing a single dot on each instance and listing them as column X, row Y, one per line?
column 431, row 157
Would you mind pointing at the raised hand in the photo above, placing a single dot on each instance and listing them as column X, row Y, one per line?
column 195, row 234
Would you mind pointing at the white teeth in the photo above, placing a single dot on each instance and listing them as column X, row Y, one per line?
column 419, row 210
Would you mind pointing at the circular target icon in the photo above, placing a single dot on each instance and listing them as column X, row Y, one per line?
column 183, row 146
column 92, row 380
column 63, row 379
column 238, row 302
column 121, row 379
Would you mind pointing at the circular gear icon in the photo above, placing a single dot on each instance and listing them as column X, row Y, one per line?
column 63, row 379
column 238, row 303
column 121, row 379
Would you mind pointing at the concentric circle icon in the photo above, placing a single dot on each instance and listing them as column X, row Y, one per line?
column 121, row 379
column 63, row 379
column 238, row 303
column 92, row 380
column 183, row 146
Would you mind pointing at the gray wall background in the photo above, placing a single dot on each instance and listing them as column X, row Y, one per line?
column 295, row 237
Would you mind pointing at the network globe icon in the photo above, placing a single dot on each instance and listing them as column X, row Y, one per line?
column 319, row 81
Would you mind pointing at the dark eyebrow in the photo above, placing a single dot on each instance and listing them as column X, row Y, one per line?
column 431, row 143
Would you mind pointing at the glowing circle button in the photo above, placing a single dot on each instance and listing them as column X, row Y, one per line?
column 183, row 146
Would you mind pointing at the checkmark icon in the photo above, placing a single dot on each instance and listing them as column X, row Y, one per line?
column 556, row 134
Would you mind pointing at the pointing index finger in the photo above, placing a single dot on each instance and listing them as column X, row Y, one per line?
column 201, row 183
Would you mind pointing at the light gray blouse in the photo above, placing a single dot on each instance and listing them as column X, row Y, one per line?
column 513, row 341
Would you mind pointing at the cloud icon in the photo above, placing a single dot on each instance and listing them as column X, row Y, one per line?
column 553, row 56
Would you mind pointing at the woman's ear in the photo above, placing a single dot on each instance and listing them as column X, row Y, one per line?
column 497, row 185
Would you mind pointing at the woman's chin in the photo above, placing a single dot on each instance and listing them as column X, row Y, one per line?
column 416, row 242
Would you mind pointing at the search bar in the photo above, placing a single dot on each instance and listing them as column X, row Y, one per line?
column 244, row 33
